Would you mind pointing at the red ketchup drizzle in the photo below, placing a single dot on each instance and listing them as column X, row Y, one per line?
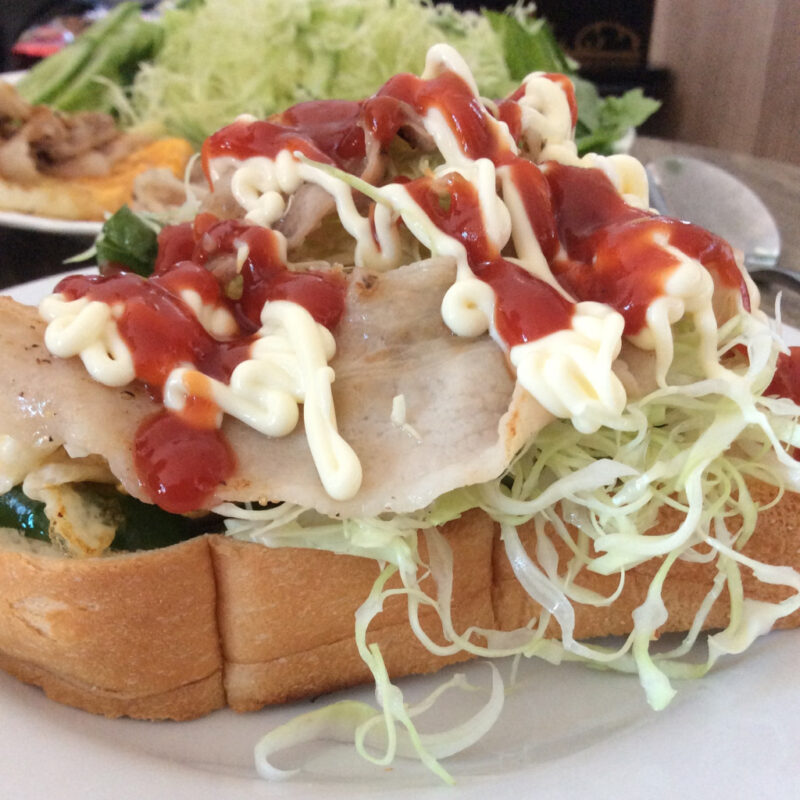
column 535, row 194
column 786, row 381
column 332, row 131
column 266, row 277
column 449, row 93
column 613, row 256
column 526, row 308
column 326, row 130
column 508, row 111
column 335, row 126
column 179, row 465
column 181, row 458
column 175, row 243
column 157, row 327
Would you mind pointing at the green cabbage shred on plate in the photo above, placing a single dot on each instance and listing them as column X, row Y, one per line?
column 201, row 64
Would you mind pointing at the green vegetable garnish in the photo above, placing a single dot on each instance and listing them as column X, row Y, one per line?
column 127, row 241
column 528, row 45
column 109, row 52
column 18, row 511
column 604, row 121
column 141, row 526
column 144, row 526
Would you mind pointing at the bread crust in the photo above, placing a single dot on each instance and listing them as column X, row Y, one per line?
column 132, row 634
column 287, row 616
column 179, row 632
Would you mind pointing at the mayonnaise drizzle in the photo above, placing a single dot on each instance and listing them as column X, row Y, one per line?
column 570, row 372
column 547, row 120
column 18, row 459
column 687, row 290
column 87, row 328
column 216, row 320
column 526, row 244
column 260, row 183
column 288, row 365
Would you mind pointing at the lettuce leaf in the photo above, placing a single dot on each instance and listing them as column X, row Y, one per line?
column 128, row 241
column 604, row 121
column 528, row 44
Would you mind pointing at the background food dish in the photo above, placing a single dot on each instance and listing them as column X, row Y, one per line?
column 29, row 222
column 565, row 730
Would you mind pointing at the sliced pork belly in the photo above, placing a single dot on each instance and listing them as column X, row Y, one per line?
column 467, row 420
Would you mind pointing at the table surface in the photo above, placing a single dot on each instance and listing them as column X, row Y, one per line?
column 25, row 255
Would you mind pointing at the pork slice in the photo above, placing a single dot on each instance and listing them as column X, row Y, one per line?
column 47, row 398
column 305, row 211
column 467, row 419
column 39, row 140
column 17, row 163
column 55, row 137
column 310, row 204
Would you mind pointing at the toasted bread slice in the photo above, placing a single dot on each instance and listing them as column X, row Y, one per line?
column 179, row 632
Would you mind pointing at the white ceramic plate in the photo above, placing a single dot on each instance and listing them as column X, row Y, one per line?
column 565, row 732
column 66, row 227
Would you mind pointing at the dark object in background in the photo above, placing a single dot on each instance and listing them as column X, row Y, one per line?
column 28, row 255
column 45, row 40
column 610, row 40
column 19, row 15
column 603, row 33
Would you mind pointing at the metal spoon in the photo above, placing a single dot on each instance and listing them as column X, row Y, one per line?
column 707, row 195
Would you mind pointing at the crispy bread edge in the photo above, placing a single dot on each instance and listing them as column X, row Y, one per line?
column 179, row 632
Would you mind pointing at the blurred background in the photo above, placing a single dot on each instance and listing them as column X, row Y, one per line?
column 723, row 69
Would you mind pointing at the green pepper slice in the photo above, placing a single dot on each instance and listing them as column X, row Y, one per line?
column 141, row 526
column 18, row 511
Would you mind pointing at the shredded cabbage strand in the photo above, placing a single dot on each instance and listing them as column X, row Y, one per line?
column 287, row 53
column 692, row 446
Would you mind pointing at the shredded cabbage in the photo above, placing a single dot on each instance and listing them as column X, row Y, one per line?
column 286, row 53
column 692, row 446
